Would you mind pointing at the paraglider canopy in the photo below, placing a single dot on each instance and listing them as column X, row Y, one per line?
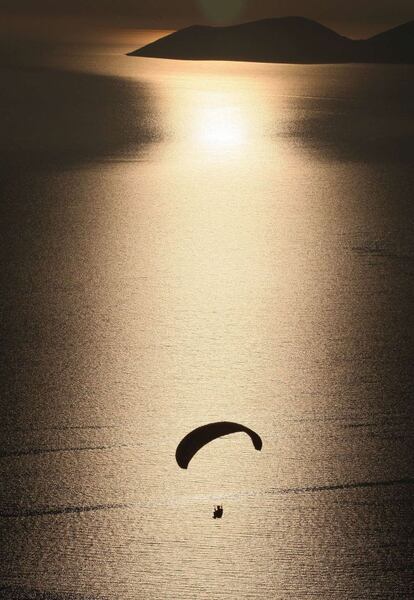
column 201, row 436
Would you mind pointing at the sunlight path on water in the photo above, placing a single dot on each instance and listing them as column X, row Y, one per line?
column 207, row 242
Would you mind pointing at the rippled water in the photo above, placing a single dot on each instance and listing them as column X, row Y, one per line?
column 191, row 242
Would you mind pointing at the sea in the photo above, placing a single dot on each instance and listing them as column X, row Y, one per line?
column 190, row 242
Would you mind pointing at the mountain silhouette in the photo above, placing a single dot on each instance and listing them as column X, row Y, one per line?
column 395, row 45
column 286, row 40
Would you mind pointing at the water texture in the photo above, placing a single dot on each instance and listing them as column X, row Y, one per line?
column 194, row 242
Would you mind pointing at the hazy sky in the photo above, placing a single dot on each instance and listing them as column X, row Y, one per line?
column 356, row 17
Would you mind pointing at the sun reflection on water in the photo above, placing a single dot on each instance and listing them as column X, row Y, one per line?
column 210, row 118
column 220, row 128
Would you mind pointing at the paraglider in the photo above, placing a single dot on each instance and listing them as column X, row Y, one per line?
column 201, row 436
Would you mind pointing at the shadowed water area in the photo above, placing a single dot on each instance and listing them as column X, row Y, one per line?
column 185, row 243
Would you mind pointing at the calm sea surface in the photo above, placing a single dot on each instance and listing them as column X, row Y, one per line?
column 190, row 242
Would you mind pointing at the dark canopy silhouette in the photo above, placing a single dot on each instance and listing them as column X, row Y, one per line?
column 201, row 436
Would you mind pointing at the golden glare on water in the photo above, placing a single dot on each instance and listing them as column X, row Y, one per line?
column 220, row 127
column 213, row 118
column 213, row 261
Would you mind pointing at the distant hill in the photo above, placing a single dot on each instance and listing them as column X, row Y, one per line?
column 286, row 40
column 395, row 45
